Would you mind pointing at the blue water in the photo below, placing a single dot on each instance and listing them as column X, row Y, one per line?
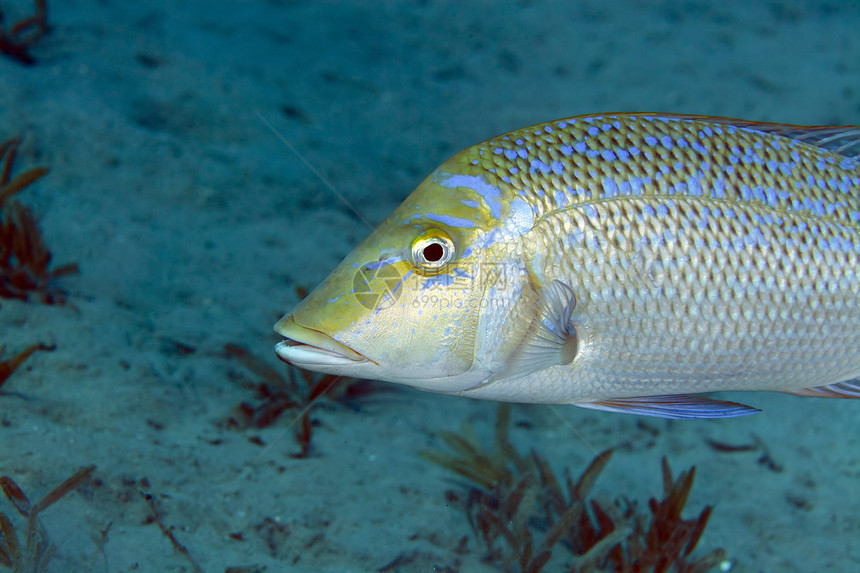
column 208, row 158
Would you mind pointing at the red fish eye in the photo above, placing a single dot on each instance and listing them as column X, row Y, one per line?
column 433, row 252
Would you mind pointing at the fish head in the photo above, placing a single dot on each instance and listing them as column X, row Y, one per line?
column 405, row 305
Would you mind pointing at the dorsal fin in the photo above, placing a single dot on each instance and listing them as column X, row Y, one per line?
column 844, row 140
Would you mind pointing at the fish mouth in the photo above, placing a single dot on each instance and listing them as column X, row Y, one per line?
column 309, row 348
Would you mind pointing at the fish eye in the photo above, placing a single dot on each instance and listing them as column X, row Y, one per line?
column 433, row 249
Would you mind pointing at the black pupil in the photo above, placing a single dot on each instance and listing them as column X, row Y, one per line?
column 433, row 252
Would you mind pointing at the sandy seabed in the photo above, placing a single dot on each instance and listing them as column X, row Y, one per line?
column 193, row 224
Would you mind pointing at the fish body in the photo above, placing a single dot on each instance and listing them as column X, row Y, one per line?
column 624, row 262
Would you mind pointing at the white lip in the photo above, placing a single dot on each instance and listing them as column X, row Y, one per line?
column 305, row 355
column 305, row 347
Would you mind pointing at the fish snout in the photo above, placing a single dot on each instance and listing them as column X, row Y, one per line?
column 308, row 348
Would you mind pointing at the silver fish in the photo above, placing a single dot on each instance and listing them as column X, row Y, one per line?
column 623, row 262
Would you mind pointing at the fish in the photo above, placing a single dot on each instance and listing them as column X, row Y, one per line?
column 625, row 262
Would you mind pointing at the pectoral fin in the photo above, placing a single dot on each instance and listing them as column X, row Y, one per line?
column 550, row 339
column 676, row 406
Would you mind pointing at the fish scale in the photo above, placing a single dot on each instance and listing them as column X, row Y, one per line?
column 624, row 262
column 719, row 270
column 662, row 156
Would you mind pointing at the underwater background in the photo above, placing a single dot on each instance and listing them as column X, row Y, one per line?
column 196, row 154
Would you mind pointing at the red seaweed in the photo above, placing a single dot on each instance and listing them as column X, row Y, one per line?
column 298, row 391
column 17, row 40
column 24, row 257
column 36, row 550
column 8, row 366
column 521, row 513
